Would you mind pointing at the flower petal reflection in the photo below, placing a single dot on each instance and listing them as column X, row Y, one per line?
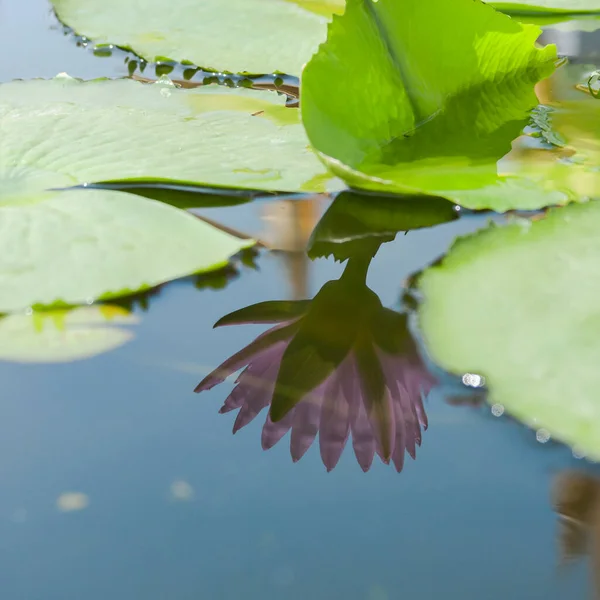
column 356, row 373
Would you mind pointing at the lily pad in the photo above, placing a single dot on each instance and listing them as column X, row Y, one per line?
column 64, row 131
column 239, row 36
column 536, row 7
column 76, row 246
column 398, row 101
column 64, row 335
column 519, row 305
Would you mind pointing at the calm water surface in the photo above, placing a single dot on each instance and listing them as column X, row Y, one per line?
column 117, row 481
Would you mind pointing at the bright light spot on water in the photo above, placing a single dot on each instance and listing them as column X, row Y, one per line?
column 473, row 380
column 542, row 436
column 182, row 491
column 72, row 501
column 497, row 410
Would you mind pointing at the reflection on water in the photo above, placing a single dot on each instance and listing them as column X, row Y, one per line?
column 340, row 364
column 576, row 500
column 289, row 224
column 337, row 365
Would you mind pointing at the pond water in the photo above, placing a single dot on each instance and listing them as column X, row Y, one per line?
column 119, row 482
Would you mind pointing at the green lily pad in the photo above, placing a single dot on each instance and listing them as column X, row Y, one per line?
column 239, row 36
column 397, row 100
column 519, row 305
column 76, row 246
column 535, row 7
column 65, row 131
column 64, row 335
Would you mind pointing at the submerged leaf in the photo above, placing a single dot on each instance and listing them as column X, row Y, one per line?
column 396, row 100
column 76, row 246
column 254, row 36
column 519, row 305
column 65, row 131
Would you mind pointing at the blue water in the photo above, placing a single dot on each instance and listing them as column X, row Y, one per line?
column 471, row 518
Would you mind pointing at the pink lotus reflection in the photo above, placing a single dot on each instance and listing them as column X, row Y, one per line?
column 345, row 403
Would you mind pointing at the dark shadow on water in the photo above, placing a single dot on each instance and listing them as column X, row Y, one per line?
column 186, row 196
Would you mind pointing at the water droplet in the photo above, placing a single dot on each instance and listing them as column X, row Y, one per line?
column 164, row 80
column 578, row 454
column 29, row 311
column 498, row 410
column 89, row 301
column 473, row 380
column 542, row 436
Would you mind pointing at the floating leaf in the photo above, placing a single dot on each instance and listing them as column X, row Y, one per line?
column 76, row 246
column 64, row 335
column 254, row 36
column 396, row 100
column 65, row 131
column 519, row 305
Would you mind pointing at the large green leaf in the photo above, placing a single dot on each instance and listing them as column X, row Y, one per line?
column 76, row 246
column 255, row 36
column 64, row 131
column 519, row 305
column 399, row 100
column 64, row 335
column 535, row 7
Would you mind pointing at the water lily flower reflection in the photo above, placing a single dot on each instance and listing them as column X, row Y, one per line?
column 338, row 365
